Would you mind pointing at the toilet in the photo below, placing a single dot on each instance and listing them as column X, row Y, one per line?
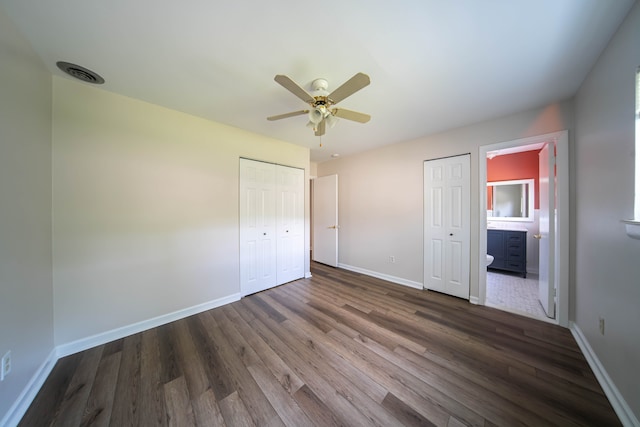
column 489, row 259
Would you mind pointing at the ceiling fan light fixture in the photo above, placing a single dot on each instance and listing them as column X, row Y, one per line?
column 317, row 114
column 331, row 120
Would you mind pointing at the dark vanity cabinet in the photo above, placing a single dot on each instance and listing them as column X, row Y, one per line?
column 509, row 250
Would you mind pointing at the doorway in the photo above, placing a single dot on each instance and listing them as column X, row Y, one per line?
column 559, row 260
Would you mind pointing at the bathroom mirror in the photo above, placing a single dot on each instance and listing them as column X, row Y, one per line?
column 510, row 200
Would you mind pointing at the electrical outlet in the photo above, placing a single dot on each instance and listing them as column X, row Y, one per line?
column 5, row 365
column 392, row 259
column 601, row 325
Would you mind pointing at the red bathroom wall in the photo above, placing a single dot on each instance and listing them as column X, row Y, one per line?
column 514, row 166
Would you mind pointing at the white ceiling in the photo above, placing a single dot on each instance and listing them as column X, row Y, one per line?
column 434, row 64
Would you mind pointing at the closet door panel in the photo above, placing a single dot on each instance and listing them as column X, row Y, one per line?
column 290, row 224
column 257, row 226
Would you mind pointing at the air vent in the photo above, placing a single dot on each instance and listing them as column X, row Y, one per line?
column 80, row 73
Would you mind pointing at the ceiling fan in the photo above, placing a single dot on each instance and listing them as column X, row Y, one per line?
column 321, row 101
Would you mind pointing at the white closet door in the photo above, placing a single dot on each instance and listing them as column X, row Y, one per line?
column 271, row 225
column 257, row 226
column 447, row 225
column 290, row 223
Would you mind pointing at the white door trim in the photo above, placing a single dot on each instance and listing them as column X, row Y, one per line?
column 561, row 139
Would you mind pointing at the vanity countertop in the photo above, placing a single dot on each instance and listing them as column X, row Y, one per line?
column 506, row 228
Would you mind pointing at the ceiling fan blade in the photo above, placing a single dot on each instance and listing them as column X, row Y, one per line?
column 286, row 115
column 349, row 87
column 351, row 115
column 294, row 88
column 321, row 128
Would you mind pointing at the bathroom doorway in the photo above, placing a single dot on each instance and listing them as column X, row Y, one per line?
column 512, row 286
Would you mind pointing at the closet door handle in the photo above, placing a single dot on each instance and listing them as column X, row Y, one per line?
column 537, row 236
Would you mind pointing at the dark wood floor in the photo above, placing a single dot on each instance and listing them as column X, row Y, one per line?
column 337, row 349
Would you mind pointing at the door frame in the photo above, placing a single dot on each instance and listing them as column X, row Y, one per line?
column 561, row 140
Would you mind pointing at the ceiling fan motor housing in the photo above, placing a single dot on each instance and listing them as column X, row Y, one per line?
column 320, row 85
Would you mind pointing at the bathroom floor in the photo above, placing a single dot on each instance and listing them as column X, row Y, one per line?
column 515, row 294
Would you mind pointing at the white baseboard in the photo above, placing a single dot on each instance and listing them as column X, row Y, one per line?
column 114, row 334
column 308, row 275
column 22, row 403
column 474, row 300
column 388, row 278
column 620, row 406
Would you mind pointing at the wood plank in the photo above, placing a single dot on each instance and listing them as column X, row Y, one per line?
column 126, row 402
column 407, row 415
column 234, row 411
column 152, row 402
column 178, row 403
column 77, row 394
column 283, row 403
column 189, row 360
column 206, row 411
column 100, row 402
column 315, row 408
column 170, row 369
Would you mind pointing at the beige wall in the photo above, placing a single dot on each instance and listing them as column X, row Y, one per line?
column 381, row 191
column 145, row 206
column 26, row 296
column 607, row 267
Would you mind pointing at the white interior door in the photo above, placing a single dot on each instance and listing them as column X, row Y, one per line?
column 546, row 236
column 325, row 220
column 447, row 225
column 290, row 224
column 257, row 226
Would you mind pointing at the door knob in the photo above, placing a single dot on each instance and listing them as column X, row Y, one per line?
column 537, row 236
column 333, row 227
